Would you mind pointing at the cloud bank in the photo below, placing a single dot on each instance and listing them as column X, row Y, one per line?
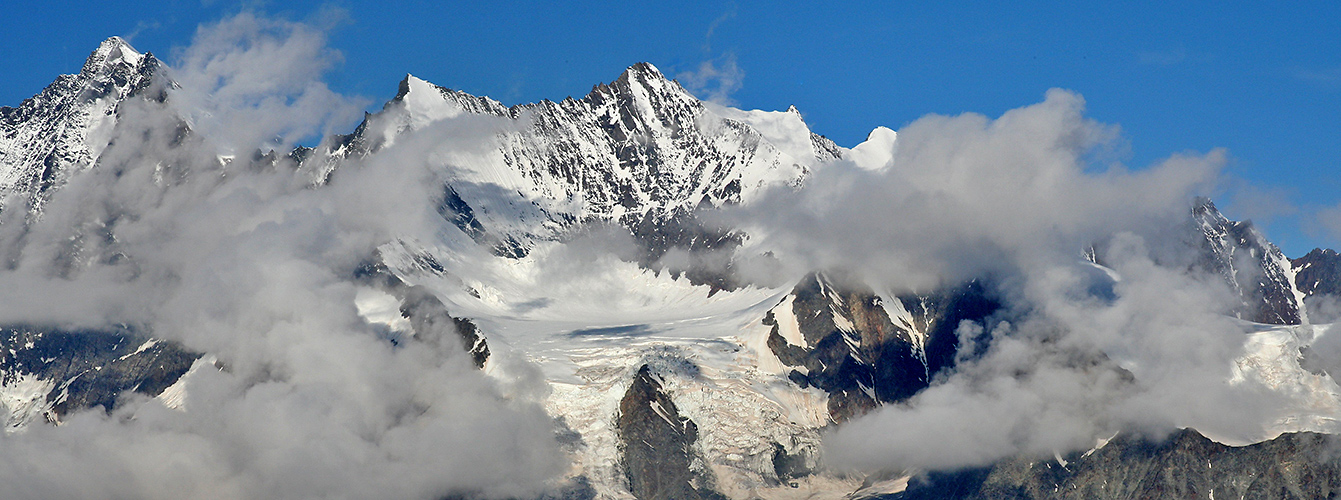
column 182, row 230
column 201, row 241
column 1079, row 351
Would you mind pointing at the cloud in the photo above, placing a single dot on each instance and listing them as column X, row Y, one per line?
column 1329, row 220
column 1327, row 78
column 1015, row 200
column 1163, row 58
column 245, row 260
column 712, row 27
column 253, row 82
column 715, row 79
column 1262, row 205
column 967, row 195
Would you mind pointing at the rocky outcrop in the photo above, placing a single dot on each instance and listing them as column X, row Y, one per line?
column 863, row 351
column 1318, row 273
column 52, row 372
column 1251, row 265
column 429, row 318
column 1317, row 276
column 1185, row 465
column 656, row 445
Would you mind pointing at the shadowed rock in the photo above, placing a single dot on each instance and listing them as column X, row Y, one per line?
column 656, row 444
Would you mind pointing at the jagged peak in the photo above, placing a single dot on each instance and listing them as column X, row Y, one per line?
column 645, row 75
column 112, row 51
column 404, row 88
column 425, row 97
column 1203, row 204
column 644, row 68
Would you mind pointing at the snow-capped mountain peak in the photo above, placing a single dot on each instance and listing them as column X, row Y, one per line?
column 638, row 148
column 66, row 126
column 113, row 52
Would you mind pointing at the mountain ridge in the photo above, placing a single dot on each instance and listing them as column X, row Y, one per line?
column 745, row 382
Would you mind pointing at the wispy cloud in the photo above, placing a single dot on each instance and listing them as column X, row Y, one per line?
column 712, row 27
column 715, row 79
column 1163, row 58
column 1325, row 77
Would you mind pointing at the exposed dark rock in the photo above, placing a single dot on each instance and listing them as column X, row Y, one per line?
column 51, row 125
column 578, row 488
column 706, row 250
column 1249, row 263
column 1318, row 273
column 861, row 356
column 656, row 445
column 1184, row 465
column 428, row 316
column 788, row 466
column 1318, row 277
column 90, row 367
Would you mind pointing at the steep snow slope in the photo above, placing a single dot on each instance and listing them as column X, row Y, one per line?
column 64, row 128
column 635, row 149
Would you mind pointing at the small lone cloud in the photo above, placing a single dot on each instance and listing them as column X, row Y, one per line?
column 712, row 28
column 1329, row 220
column 718, row 77
column 1328, row 77
column 1162, row 58
column 715, row 79
column 141, row 27
column 1262, row 205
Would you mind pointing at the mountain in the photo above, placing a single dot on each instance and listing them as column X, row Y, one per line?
column 65, row 128
column 640, row 152
column 1256, row 270
column 1317, row 276
column 1183, row 465
column 667, row 374
column 864, row 349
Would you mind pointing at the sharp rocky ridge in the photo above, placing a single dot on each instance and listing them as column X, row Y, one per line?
column 640, row 152
column 651, row 408
column 65, row 128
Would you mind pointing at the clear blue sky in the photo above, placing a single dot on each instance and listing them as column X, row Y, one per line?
column 1264, row 82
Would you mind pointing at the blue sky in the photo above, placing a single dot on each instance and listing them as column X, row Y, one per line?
column 1263, row 82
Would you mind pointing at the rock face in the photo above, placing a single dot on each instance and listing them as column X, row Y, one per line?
column 1185, row 465
column 865, row 350
column 51, row 372
column 638, row 152
column 656, row 445
column 1318, row 273
column 429, row 318
column 65, row 128
column 1251, row 264
column 1317, row 277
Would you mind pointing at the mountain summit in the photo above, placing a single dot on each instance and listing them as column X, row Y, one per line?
column 465, row 299
column 64, row 128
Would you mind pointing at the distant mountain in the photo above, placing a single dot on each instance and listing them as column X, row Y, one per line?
column 710, row 392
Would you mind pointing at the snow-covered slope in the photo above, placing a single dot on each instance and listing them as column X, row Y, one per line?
column 638, row 148
column 64, row 128
column 612, row 348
